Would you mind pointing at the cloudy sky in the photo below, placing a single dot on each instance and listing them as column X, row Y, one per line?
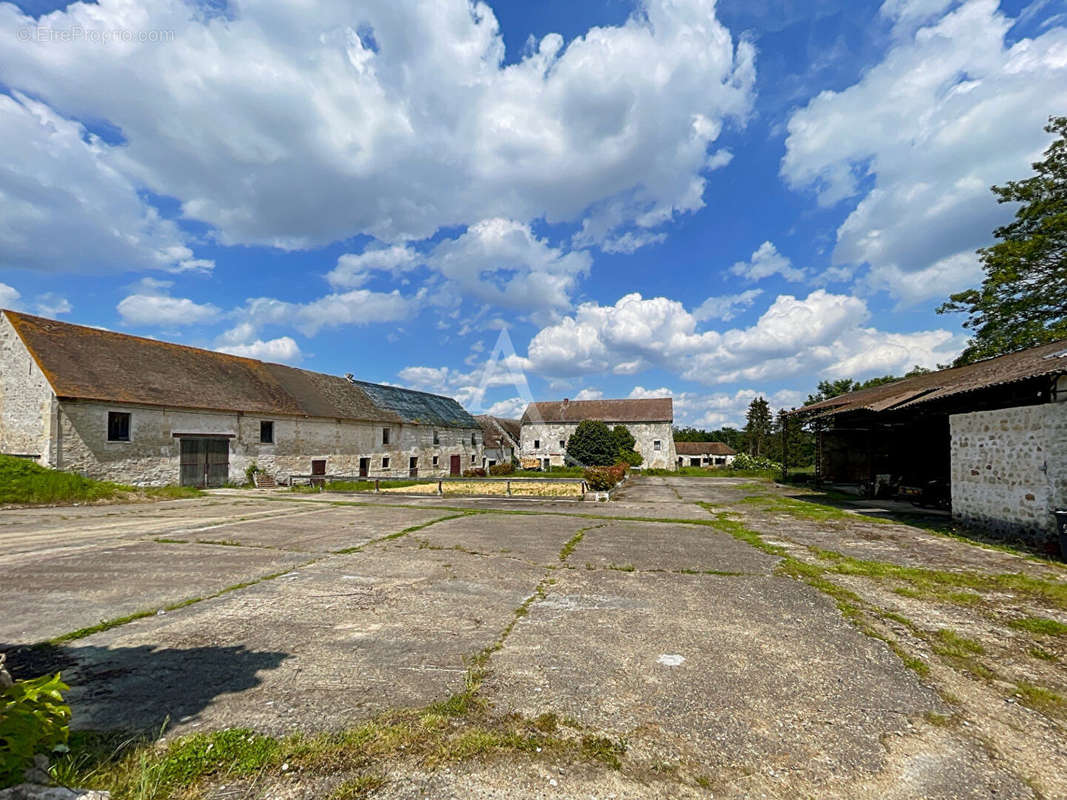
column 567, row 198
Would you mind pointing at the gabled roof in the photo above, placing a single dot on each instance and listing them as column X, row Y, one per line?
column 657, row 409
column 703, row 449
column 499, row 432
column 1047, row 359
column 92, row 364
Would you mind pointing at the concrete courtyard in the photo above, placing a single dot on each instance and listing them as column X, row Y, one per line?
column 735, row 638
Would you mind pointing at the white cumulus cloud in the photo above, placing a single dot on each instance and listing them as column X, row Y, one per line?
column 951, row 109
column 767, row 261
column 296, row 125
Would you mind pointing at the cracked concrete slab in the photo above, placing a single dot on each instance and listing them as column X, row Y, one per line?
column 763, row 680
column 516, row 536
column 318, row 648
column 332, row 528
column 63, row 591
column 662, row 546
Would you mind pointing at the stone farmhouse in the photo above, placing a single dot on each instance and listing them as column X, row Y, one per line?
column 145, row 412
column 546, row 428
column 704, row 454
column 500, row 440
column 992, row 435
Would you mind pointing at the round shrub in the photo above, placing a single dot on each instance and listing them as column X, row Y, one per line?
column 592, row 444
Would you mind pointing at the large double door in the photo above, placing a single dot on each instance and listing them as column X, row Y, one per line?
column 205, row 462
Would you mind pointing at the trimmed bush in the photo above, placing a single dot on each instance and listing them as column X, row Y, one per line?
column 602, row 479
column 477, row 472
column 502, row 469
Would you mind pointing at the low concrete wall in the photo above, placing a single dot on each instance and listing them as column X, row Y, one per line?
column 1009, row 468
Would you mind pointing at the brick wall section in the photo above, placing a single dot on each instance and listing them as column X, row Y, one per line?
column 152, row 456
column 26, row 400
column 1009, row 468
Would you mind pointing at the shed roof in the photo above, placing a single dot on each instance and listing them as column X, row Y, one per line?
column 92, row 364
column 1047, row 359
column 499, row 431
column 703, row 449
column 657, row 409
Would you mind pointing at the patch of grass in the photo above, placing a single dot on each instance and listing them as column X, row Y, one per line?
column 191, row 765
column 221, row 542
column 933, row 581
column 355, row 788
column 1039, row 697
column 940, row 720
column 163, row 540
column 1042, row 625
column 952, row 643
column 25, row 482
column 622, row 567
column 805, row 509
column 1042, row 653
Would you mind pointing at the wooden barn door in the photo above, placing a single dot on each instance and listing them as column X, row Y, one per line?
column 205, row 462
column 454, row 466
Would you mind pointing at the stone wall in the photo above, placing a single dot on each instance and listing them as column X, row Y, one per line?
column 27, row 405
column 1009, row 468
column 550, row 434
column 152, row 456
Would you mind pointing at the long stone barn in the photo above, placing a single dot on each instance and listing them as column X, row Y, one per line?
column 144, row 412
column 547, row 427
column 991, row 437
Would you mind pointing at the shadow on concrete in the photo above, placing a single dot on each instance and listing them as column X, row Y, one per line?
column 934, row 520
column 139, row 690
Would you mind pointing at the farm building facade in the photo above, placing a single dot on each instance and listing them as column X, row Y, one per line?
column 992, row 435
column 547, row 427
column 704, row 454
column 500, row 440
column 144, row 412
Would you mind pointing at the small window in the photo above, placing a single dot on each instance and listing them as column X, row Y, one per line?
column 474, row 440
column 537, row 444
column 436, row 437
column 266, row 432
column 385, row 436
column 562, row 444
column 472, row 458
column 436, row 461
column 657, row 445
column 385, row 461
column 118, row 426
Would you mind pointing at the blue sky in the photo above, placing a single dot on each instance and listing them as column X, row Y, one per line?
column 512, row 200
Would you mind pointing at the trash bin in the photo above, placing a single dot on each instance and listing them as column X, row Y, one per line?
column 1061, row 524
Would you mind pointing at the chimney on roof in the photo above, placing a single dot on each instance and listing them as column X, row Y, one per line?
column 350, row 377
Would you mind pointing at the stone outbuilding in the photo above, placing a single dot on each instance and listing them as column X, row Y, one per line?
column 546, row 428
column 144, row 412
column 991, row 437
column 500, row 440
column 704, row 454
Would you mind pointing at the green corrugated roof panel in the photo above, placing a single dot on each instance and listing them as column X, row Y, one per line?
column 420, row 408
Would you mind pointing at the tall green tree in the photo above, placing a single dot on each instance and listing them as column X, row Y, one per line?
column 1023, row 299
column 625, row 444
column 757, row 425
column 592, row 445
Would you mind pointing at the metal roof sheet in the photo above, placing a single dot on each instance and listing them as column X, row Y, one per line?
column 1034, row 362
